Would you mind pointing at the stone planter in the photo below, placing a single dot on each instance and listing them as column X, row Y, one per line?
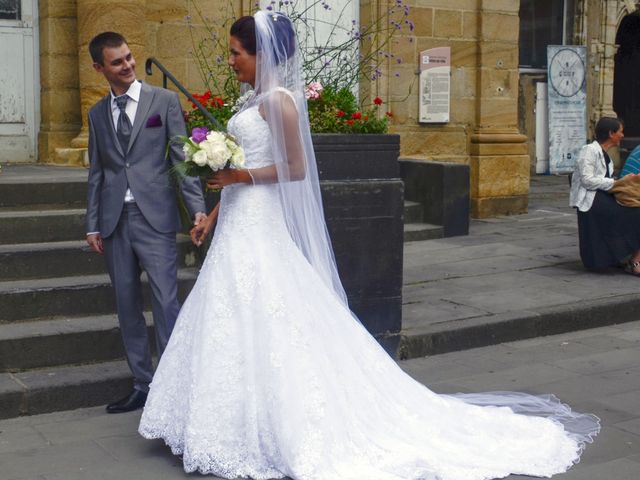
column 363, row 198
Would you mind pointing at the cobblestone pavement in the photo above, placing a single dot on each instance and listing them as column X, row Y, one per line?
column 596, row 370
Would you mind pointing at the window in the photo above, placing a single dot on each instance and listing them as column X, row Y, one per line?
column 542, row 23
column 10, row 9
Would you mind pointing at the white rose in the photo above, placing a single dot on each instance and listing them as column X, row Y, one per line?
column 237, row 158
column 216, row 137
column 199, row 158
column 217, row 153
column 188, row 150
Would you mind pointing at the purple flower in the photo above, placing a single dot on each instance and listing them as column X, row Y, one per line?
column 199, row 134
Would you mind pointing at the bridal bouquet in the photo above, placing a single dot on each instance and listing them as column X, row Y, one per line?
column 207, row 151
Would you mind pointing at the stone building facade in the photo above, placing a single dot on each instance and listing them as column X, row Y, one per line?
column 608, row 28
column 490, row 126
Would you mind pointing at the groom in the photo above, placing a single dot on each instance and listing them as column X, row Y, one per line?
column 132, row 213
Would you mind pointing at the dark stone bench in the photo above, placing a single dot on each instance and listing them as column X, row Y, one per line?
column 442, row 189
column 363, row 200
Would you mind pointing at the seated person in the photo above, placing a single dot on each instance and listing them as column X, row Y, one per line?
column 632, row 164
column 609, row 233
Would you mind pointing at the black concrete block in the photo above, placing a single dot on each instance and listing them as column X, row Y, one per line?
column 347, row 157
column 442, row 189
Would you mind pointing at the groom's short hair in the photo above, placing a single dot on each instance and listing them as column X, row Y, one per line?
column 104, row 40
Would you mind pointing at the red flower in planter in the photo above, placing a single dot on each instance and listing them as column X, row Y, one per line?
column 340, row 114
column 378, row 101
column 389, row 114
column 356, row 116
column 350, row 122
column 218, row 102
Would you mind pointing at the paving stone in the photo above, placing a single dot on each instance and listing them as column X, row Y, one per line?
column 610, row 444
column 602, row 361
column 513, row 379
column 61, row 459
column 92, row 428
column 20, row 437
column 514, row 299
column 575, row 336
column 419, row 314
column 631, row 426
column 627, row 401
column 140, row 469
column 619, row 469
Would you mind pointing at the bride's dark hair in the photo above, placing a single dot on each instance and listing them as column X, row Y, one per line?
column 244, row 29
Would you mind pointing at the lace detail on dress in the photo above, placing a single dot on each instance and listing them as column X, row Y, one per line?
column 266, row 377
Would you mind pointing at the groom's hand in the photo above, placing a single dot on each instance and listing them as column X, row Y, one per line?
column 199, row 232
column 95, row 242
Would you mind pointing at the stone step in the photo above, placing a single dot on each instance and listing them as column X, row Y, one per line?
column 413, row 212
column 35, row 185
column 38, row 226
column 65, row 341
column 70, row 258
column 68, row 296
column 62, row 388
column 422, row 231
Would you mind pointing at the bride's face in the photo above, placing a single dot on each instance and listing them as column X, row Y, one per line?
column 242, row 62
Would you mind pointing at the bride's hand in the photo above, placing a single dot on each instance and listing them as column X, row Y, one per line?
column 222, row 178
column 228, row 176
column 202, row 230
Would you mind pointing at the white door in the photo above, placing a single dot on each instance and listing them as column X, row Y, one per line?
column 19, row 99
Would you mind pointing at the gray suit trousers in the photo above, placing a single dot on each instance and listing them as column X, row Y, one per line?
column 136, row 246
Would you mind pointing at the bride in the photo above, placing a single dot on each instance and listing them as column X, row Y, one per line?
column 268, row 374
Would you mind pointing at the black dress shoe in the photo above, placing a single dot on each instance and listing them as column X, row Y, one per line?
column 135, row 400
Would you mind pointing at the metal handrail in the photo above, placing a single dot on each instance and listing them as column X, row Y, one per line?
column 166, row 74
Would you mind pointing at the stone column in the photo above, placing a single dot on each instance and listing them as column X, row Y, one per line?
column 95, row 16
column 499, row 157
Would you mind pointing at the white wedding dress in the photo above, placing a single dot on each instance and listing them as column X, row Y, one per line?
column 265, row 377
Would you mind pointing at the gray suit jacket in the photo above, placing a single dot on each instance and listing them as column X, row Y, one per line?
column 143, row 167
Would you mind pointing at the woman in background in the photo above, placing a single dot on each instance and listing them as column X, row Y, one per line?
column 609, row 233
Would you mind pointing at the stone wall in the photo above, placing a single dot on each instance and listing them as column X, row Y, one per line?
column 483, row 128
column 60, row 96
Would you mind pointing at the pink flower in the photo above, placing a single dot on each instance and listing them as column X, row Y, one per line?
column 313, row 91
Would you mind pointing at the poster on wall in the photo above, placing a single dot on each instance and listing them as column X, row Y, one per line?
column 567, row 104
column 435, row 85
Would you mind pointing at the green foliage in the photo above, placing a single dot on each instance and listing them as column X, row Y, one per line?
column 337, row 111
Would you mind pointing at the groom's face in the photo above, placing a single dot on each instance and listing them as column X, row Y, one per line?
column 118, row 67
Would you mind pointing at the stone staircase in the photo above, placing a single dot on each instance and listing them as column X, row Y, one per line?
column 60, row 345
column 414, row 228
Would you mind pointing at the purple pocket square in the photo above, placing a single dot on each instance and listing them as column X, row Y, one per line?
column 154, row 121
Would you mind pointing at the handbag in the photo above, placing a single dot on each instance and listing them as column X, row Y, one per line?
column 627, row 190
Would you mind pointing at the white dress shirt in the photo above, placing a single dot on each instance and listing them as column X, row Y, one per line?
column 589, row 176
column 132, row 107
